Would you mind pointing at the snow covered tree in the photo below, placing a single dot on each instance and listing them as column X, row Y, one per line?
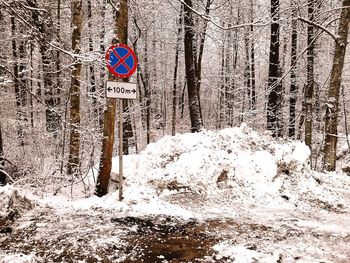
column 274, row 83
column 190, row 68
column 121, row 33
column 293, row 72
column 2, row 161
column 310, row 82
column 74, row 137
column 332, row 103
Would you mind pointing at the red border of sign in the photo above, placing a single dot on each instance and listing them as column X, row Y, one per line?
column 132, row 53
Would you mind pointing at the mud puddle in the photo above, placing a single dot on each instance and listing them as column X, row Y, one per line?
column 166, row 240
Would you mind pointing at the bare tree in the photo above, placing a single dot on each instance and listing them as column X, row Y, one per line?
column 293, row 76
column 309, row 89
column 190, row 68
column 332, row 103
column 2, row 161
column 121, row 28
column 74, row 137
column 274, row 84
column 91, row 68
column 177, row 48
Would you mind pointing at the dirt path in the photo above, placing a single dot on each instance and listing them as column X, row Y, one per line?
column 46, row 235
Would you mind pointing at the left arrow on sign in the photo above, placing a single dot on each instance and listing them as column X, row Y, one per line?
column 121, row 90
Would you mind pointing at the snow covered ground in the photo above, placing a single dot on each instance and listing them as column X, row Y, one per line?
column 217, row 196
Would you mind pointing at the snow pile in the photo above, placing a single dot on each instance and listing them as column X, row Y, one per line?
column 237, row 164
column 11, row 203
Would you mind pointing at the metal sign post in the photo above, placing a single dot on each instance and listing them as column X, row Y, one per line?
column 122, row 63
column 120, row 150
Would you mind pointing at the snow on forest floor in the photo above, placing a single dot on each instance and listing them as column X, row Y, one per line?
column 217, row 196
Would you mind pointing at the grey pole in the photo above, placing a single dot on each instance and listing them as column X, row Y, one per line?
column 120, row 149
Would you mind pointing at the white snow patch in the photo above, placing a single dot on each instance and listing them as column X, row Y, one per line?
column 18, row 258
column 241, row 254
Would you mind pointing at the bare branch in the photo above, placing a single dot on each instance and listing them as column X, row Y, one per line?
column 335, row 37
column 113, row 5
column 210, row 19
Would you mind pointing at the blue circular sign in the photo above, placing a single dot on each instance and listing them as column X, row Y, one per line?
column 121, row 60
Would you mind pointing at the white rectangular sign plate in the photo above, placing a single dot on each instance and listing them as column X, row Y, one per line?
column 121, row 90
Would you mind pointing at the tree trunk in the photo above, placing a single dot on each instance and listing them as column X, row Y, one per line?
column 309, row 89
column 147, row 92
column 179, row 30
column 231, row 65
column 332, row 103
column 107, row 148
column 293, row 77
column 2, row 161
column 58, row 66
column 252, row 59
column 190, row 69
column 52, row 99
column 221, row 93
column 92, row 78
column 200, row 57
column 122, row 33
column 274, row 85
column 247, row 71
column 105, row 168
column 74, row 136
column 102, row 34
column 17, row 82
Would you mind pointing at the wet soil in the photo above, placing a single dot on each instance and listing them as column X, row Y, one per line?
column 48, row 235
column 166, row 240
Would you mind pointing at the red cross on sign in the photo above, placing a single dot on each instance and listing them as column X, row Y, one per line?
column 121, row 60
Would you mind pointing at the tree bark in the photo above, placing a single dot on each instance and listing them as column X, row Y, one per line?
column 274, row 85
column 309, row 89
column 92, row 78
column 120, row 27
column 252, row 58
column 74, row 136
column 18, row 83
column 293, row 77
column 190, row 68
column 147, row 92
column 332, row 103
column 2, row 160
column 222, row 95
column 179, row 30
column 199, row 58
column 247, row 71
column 102, row 34
column 52, row 98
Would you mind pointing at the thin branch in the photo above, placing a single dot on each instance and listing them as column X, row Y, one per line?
column 335, row 37
column 25, row 87
column 7, row 175
column 35, row 9
column 113, row 5
column 345, row 118
column 209, row 19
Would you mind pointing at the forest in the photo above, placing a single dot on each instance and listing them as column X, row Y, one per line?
column 221, row 87
column 201, row 65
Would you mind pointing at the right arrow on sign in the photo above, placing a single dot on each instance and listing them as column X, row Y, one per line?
column 121, row 90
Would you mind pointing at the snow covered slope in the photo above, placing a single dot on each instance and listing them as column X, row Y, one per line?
column 235, row 165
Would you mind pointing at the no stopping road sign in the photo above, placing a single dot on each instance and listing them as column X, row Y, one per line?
column 121, row 60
